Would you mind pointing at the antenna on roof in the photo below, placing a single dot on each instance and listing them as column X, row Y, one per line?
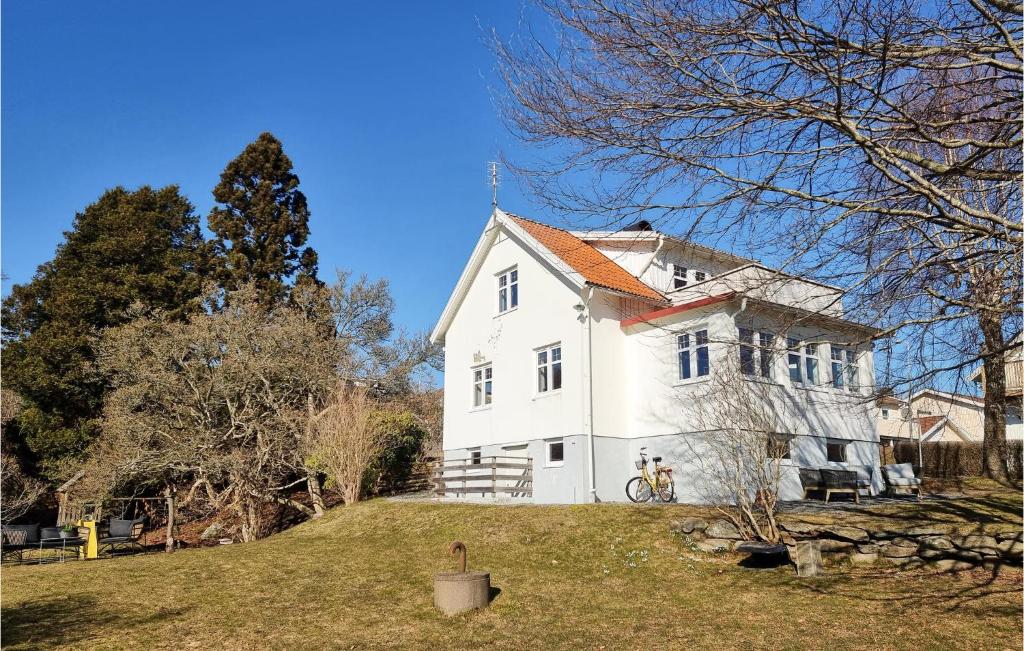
column 493, row 168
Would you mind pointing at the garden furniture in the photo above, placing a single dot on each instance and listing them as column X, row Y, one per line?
column 124, row 535
column 899, row 478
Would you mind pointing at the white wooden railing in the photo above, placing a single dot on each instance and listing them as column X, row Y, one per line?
column 511, row 476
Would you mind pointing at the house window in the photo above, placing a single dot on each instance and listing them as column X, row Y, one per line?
column 844, row 368
column 693, row 354
column 555, row 453
column 483, row 386
column 508, row 290
column 678, row 276
column 836, row 451
column 756, row 360
column 474, row 457
column 885, row 414
column 778, row 446
column 811, row 363
column 549, row 369
column 793, row 360
column 699, row 276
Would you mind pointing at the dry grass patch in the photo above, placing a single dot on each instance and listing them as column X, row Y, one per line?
column 594, row 576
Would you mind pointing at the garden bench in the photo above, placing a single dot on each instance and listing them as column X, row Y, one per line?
column 899, row 477
column 830, row 480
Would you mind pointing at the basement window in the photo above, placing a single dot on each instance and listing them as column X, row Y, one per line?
column 836, row 450
column 474, row 457
column 555, row 453
column 779, row 446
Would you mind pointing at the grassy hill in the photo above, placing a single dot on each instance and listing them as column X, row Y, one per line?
column 593, row 576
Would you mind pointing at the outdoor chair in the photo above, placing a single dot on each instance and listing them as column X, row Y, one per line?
column 899, row 478
column 810, row 479
column 57, row 539
column 16, row 538
column 840, row 481
column 120, row 535
column 864, row 474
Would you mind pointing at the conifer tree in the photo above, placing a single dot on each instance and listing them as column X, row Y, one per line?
column 261, row 223
column 141, row 246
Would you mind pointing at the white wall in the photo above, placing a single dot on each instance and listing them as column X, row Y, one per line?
column 545, row 315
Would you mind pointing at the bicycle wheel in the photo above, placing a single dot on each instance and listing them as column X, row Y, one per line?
column 666, row 487
column 637, row 490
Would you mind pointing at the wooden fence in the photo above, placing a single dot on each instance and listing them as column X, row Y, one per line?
column 512, row 476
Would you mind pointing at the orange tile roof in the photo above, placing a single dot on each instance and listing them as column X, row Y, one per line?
column 595, row 267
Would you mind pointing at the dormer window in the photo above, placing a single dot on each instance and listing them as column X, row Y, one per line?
column 699, row 276
column 678, row 276
column 508, row 290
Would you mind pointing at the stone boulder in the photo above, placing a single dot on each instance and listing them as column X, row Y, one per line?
column 722, row 529
column 843, row 532
column 936, row 542
column 863, row 559
column 690, row 525
column 829, row 546
column 980, row 544
column 713, row 545
column 898, row 551
column 800, row 528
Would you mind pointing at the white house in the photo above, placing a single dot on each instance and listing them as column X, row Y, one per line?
column 576, row 349
column 931, row 415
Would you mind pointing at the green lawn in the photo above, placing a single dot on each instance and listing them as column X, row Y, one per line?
column 594, row 576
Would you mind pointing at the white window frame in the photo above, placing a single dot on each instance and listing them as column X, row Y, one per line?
column 483, row 375
column 507, row 284
column 806, row 354
column 761, row 345
column 475, row 456
column 680, row 276
column 885, row 414
column 548, row 462
column 546, row 369
column 844, row 367
column 699, row 276
column 688, row 348
column 845, row 446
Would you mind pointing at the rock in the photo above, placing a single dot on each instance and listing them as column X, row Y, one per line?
column 1011, row 547
column 843, row 532
column 690, row 525
column 215, row 530
column 951, row 565
column 722, row 529
column 802, row 528
column 787, row 539
column 924, row 531
column 905, row 542
column 936, row 542
column 979, row 544
column 829, row 546
column 898, row 551
column 713, row 545
column 863, row 559
column 870, row 548
column 968, row 556
column 1010, row 535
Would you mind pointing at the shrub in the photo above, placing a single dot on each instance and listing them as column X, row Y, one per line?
column 952, row 459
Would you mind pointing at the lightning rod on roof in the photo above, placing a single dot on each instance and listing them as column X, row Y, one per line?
column 493, row 168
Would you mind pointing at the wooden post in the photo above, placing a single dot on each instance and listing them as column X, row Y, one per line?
column 494, row 479
column 169, row 496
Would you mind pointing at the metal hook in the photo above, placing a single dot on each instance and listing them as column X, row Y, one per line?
column 454, row 549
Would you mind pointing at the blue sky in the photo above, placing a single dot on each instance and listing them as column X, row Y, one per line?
column 386, row 110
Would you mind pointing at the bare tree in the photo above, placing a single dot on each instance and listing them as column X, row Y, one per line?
column 739, row 441
column 874, row 144
column 346, row 437
column 18, row 492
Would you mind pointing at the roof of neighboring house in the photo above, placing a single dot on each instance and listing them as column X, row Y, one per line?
column 950, row 397
column 926, row 423
column 595, row 267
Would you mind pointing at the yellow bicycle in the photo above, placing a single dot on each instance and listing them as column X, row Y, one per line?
column 644, row 487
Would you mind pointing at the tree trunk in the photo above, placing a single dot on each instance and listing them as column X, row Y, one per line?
column 994, row 450
column 315, row 493
column 169, row 495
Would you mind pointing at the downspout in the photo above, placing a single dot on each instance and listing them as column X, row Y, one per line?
column 587, row 370
column 654, row 256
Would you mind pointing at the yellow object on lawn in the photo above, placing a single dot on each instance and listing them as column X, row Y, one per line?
column 90, row 549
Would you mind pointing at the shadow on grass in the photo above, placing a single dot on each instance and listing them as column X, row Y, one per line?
column 63, row 621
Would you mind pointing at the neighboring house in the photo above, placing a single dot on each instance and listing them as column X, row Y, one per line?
column 575, row 349
column 1014, row 386
column 936, row 416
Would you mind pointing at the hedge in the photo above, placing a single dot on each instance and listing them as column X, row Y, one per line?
column 951, row 459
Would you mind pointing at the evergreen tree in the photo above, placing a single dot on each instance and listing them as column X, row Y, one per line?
column 262, row 223
column 129, row 246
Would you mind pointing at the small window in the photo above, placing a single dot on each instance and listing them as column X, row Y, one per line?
column 767, row 341
column 555, row 452
column 793, row 359
column 678, row 276
column 549, row 369
column 483, row 387
column 746, row 351
column 699, row 276
column 836, row 451
column 508, row 290
column 474, row 457
column 885, row 414
column 778, row 446
column 756, row 359
column 852, row 370
column 811, row 363
column 693, row 354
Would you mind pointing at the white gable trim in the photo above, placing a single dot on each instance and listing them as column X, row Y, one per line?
column 499, row 220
